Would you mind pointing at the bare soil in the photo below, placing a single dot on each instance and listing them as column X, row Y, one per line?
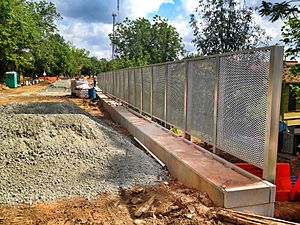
column 170, row 201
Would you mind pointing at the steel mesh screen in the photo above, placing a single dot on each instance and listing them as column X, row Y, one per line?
column 138, row 87
column 116, row 83
column 159, row 80
column 125, row 81
column 131, row 86
column 105, row 82
column 175, row 95
column 99, row 81
column 146, row 78
column 111, row 82
column 242, row 105
column 201, row 81
column 121, row 85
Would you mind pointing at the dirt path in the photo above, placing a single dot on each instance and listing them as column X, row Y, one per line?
column 168, row 202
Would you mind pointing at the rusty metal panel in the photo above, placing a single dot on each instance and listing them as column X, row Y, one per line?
column 131, row 86
column 201, row 81
column 146, row 79
column 242, row 105
column 159, row 80
column 175, row 94
column 138, row 87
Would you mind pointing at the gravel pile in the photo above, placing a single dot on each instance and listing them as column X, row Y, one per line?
column 60, row 87
column 54, row 156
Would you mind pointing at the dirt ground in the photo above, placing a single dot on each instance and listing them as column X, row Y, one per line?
column 168, row 202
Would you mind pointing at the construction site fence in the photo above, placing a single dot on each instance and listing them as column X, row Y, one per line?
column 230, row 101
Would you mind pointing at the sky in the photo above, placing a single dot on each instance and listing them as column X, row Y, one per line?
column 87, row 23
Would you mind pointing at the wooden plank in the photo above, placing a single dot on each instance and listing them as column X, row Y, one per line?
column 293, row 122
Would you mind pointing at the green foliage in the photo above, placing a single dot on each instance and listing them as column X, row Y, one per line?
column 295, row 70
column 140, row 42
column 30, row 43
column 277, row 11
column 290, row 14
column 222, row 25
column 291, row 36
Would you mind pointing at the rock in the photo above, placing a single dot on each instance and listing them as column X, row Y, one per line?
column 189, row 215
column 137, row 190
column 135, row 200
column 138, row 221
column 191, row 208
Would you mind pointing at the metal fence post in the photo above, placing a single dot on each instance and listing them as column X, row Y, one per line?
column 216, row 91
column 166, row 89
column 151, row 94
column 112, row 83
column 128, row 88
column 273, row 113
column 186, row 103
column 141, row 91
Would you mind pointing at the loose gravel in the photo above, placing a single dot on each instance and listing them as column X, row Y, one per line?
column 49, row 152
column 59, row 88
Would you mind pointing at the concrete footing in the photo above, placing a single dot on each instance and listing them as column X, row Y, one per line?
column 227, row 185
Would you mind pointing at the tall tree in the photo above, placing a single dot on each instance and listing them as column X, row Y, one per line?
column 30, row 43
column 223, row 25
column 143, row 42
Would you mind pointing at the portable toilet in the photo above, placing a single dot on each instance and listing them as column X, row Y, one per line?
column 11, row 79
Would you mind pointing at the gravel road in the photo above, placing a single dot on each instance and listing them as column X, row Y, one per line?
column 52, row 151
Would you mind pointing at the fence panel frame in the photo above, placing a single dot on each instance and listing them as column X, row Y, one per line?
column 273, row 99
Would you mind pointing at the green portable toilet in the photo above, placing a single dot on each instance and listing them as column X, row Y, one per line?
column 11, row 79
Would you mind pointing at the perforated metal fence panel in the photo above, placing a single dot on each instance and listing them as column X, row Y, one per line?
column 146, row 78
column 159, row 81
column 242, row 105
column 200, row 108
column 121, row 87
column 116, row 83
column 175, row 94
column 131, row 86
column 111, row 84
column 231, row 101
column 125, row 81
column 104, row 76
column 99, row 82
column 138, row 87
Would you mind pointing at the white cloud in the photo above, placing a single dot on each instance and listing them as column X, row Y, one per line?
column 189, row 5
column 91, row 36
column 135, row 9
column 184, row 30
column 272, row 29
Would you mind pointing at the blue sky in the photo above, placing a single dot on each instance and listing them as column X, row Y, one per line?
column 87, row 23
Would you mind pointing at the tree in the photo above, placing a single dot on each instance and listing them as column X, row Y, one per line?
column 141, row 42
column 290, row 14
column 30, row 43
column 222, row 25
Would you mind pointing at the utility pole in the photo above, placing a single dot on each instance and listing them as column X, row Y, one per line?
column 118, row 10
column 113, row 40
